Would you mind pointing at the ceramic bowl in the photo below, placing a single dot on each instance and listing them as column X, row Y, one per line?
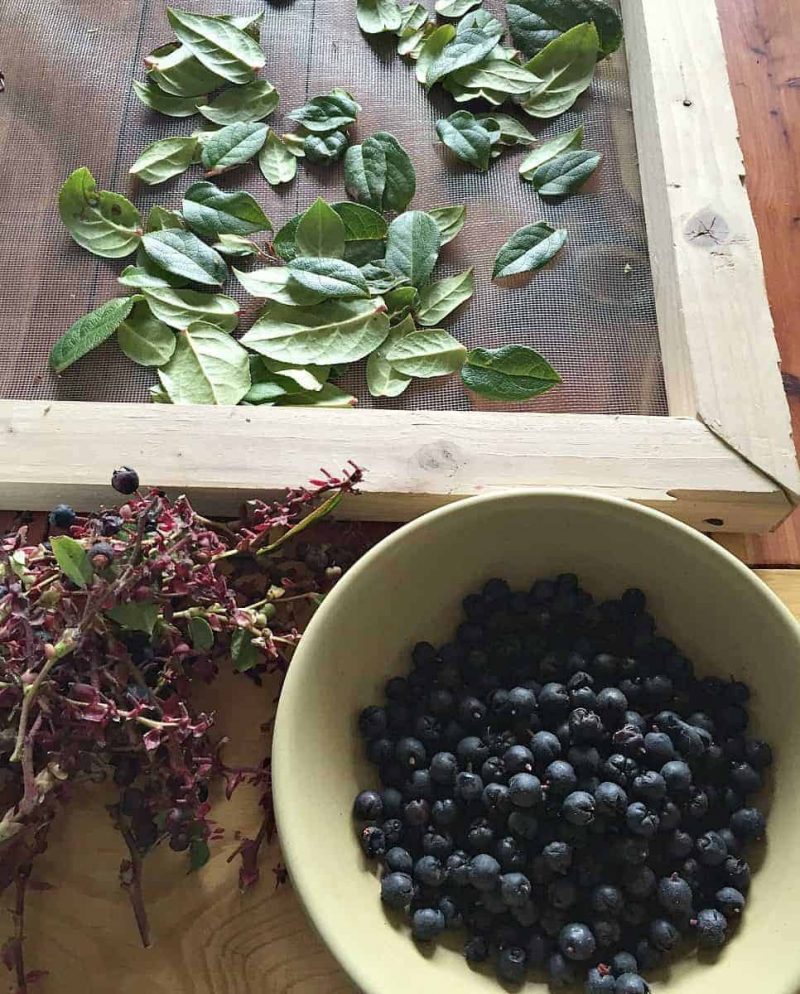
column 409, row 587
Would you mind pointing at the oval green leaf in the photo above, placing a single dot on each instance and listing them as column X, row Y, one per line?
column 412, row 246
column 174, row 70
column 220, row 46
column 210, row 211
column 72, row 559
column 383, row 380
column 235, row 246
column 432, row 48
column 428, row 353
column 320, row 232
column 277, row 164
column 511, row 373
column 535, row 23
column 90, row 331
column 548, row 150
column 180, row 308
column 466, row 138
column 273, row 283
column 334, row 332
column 321, row 115
column 164, row 159
column 529, row 249
column 155, row 98
column 565, row 173
column 207, row 367
column 105, row 223
column 440, row 299
column 329, row 396
column 469, row 47
column 144, row 339
column 511, row 131
column 183, row 253
column 455, row 8
column 201, row 634
column 232, row 146
column 566, row 68
column 242, row 104
column 333, row 278
column 449, row 220
column 376, row 16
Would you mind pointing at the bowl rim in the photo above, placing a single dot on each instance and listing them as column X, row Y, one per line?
column 301, row 872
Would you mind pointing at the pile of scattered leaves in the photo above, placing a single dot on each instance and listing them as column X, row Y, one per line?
column 104, row 631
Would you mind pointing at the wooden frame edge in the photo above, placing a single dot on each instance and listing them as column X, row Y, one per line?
column 721, row 361
column 65, row 451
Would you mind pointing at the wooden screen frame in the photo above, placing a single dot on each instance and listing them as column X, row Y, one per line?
column 724, row 459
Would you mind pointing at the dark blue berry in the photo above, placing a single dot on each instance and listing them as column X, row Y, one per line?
column 484, row 872
column 748, row 824
column 641, row 820
column 417, row 813
column 562, row 893
column 560, row 778
column 392, row 830
column 524, row 790
column 545, row 748
column 562, row 972
column 523, row 824
column 730, row 902
column 472, row 751
column 624, row 962
column 397, row 889
column 648, row 956
column 476, row 949
column 444, row 767
column 510, row 854
column 578, row 808
column 610, row 799
column 607, row 901
column 745, row 779
column 576, row 941
column 457, row 868
column 410, row 752
column 557, row 856
column 515, row 889
column 711, row 849
column 392, row 801
column 373, row 841
column 429, row 872
column 711, row 928
column 444, row 813
column 368, row 806
column 649, row 787
column 398, row 860
column 511, row 964
column 599, row 983
column 469, row 787
column 496, row 798
column 631, row 983
column 758, row 754
column 675, row 895
column 62, row 516
column 663, row 935
column 372, row 722
column 427, row 924
column 639, row 882
column 125, row 480
column 607, row 932
column 518, row 759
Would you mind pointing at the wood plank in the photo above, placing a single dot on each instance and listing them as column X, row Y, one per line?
column 761, row 42
column 415, row 460
column 209, row 939
column 713, row 312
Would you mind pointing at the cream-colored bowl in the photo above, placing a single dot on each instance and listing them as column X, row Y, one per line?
column 409, row 587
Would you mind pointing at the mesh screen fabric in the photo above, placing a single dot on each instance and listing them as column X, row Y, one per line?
column 68, row 102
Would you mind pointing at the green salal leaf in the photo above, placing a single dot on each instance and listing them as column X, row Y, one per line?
column 232, row 146
column 412, row 246
column 413, row 17
column 160, row 218
column 175, row 71
column 276, row 162
column 235, row 246
column 411, row 41
column 305, row 378
column 364, row 232
column 146, row 273
column 152, row 96
column 455, row 8
column 295, row 143
column 511, row 131
column 428, row 353
column 470, row 46
column 72, row 560
column 529, row 249
column 535, row 23
column 201, row 634
column 144, row 339
column 219, row 45
column 210, row 211
column 383, row 380
column 164, row 159
column 274, row 283
column 550, row 149
column 333, row 278
column 320, row 232
column 466, row 137
column 180, row 308
column 565, row 173
column 329, row 396
column 511, row 373
column 135, row 616
column 566, row 68
column 184, row 254
column 242, row 104
column 331, row 112
column 497, row 76
column 400, row 301
column 105, row 223
column 380, row 174
column 438, row 300
column 338, row 331
column 90, row 331
column 530, row 32
column 207, row 367
column 381, row 280
column 432, row 48
column 376, row 16
column 325, row 149
column 449, row 220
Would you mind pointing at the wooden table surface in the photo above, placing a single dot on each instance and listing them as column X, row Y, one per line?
column 209, row 939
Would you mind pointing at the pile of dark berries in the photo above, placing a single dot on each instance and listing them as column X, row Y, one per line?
column 558, row 783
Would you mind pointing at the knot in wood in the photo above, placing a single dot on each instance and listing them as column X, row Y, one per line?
column 707, row 229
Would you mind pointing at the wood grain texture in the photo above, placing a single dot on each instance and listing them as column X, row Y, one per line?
column 719, row 352
column 209, row 939
column 53, row 451
column 762, row 39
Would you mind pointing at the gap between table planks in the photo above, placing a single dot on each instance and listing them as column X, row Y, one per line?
column 209, row 939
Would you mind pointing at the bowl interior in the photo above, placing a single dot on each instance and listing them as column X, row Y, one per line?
column 409, row 588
